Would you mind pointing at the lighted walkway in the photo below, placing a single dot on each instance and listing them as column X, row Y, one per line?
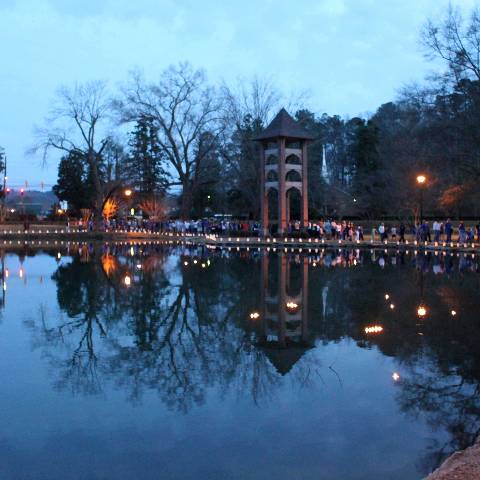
column 43, row 233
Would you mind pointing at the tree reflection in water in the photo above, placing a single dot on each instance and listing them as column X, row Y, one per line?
column 182, row 325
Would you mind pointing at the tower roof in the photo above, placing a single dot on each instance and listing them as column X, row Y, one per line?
column 283, row 125
column 283, row 359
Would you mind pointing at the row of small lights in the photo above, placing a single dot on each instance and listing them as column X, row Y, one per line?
column 238, row 248
column 218, row 239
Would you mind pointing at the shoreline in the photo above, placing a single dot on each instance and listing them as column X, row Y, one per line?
column 55, row 235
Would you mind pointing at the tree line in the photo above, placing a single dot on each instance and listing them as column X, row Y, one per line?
column 186, row 136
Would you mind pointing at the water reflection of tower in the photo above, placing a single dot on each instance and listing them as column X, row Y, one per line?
column 284, row 310
column 4, row 280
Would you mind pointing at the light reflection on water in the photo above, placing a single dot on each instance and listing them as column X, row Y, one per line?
column 142, row 361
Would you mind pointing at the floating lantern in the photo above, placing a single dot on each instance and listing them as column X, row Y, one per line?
column 374, row 329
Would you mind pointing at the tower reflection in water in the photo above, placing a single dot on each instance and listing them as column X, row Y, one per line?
column 284, row 310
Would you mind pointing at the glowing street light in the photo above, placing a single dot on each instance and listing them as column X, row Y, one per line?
column 254, row 315
column 127, row 280
column 128, row 192
column 421, row 179
column 395, row 376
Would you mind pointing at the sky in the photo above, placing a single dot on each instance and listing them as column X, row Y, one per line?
column 350, row 55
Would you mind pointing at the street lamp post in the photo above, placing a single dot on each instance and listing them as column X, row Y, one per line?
column 421, row 179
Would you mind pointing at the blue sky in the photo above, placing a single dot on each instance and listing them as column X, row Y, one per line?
column 351, row 55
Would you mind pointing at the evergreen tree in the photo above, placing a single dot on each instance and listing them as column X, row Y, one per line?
column 74, row 183
column 144, row 164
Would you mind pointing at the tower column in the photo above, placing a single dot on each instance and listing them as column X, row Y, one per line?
column 304, row 220
column 282, row 194
column 264, row 294
column 305, row 300
column 282, row 299
column 287, row 203
column 263, row 195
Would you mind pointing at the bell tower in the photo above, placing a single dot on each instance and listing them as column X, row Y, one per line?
column 283, row 165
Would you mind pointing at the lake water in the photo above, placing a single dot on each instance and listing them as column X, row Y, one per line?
column 175, row 362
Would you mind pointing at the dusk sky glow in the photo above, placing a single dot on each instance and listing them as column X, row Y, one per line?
column 350, row 55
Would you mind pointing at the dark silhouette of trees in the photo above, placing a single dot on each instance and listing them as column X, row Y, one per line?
column 183, row 108
column 187, row 133
column 73, row 183
column 144, row 166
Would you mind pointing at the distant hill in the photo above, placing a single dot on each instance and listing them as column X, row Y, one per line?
column 32, row 200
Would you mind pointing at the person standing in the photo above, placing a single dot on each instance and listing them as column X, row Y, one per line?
column 393, row 232
column 427, row 229
column 401, row 232
column 448, row 230
column 436, row 231
column 461, row 233
column 360, row 233
column 382, row 232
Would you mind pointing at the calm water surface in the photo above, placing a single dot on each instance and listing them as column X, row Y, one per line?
column 149, row 362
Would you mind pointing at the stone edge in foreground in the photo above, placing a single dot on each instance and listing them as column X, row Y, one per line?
column 462, row 465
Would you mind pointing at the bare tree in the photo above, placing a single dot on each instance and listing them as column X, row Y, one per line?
column 75, row 124
column 249, row 106
column 184, row 108
column 259, row 98
column 456, row 42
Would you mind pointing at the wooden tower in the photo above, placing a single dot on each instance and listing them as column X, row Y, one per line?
column 283, row 168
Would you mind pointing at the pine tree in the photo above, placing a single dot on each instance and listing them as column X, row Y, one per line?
column 144, row 165
column 74, row 183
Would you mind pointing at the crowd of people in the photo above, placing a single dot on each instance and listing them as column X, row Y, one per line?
column 192, row 227
column 439, row 231
column 327, row 229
